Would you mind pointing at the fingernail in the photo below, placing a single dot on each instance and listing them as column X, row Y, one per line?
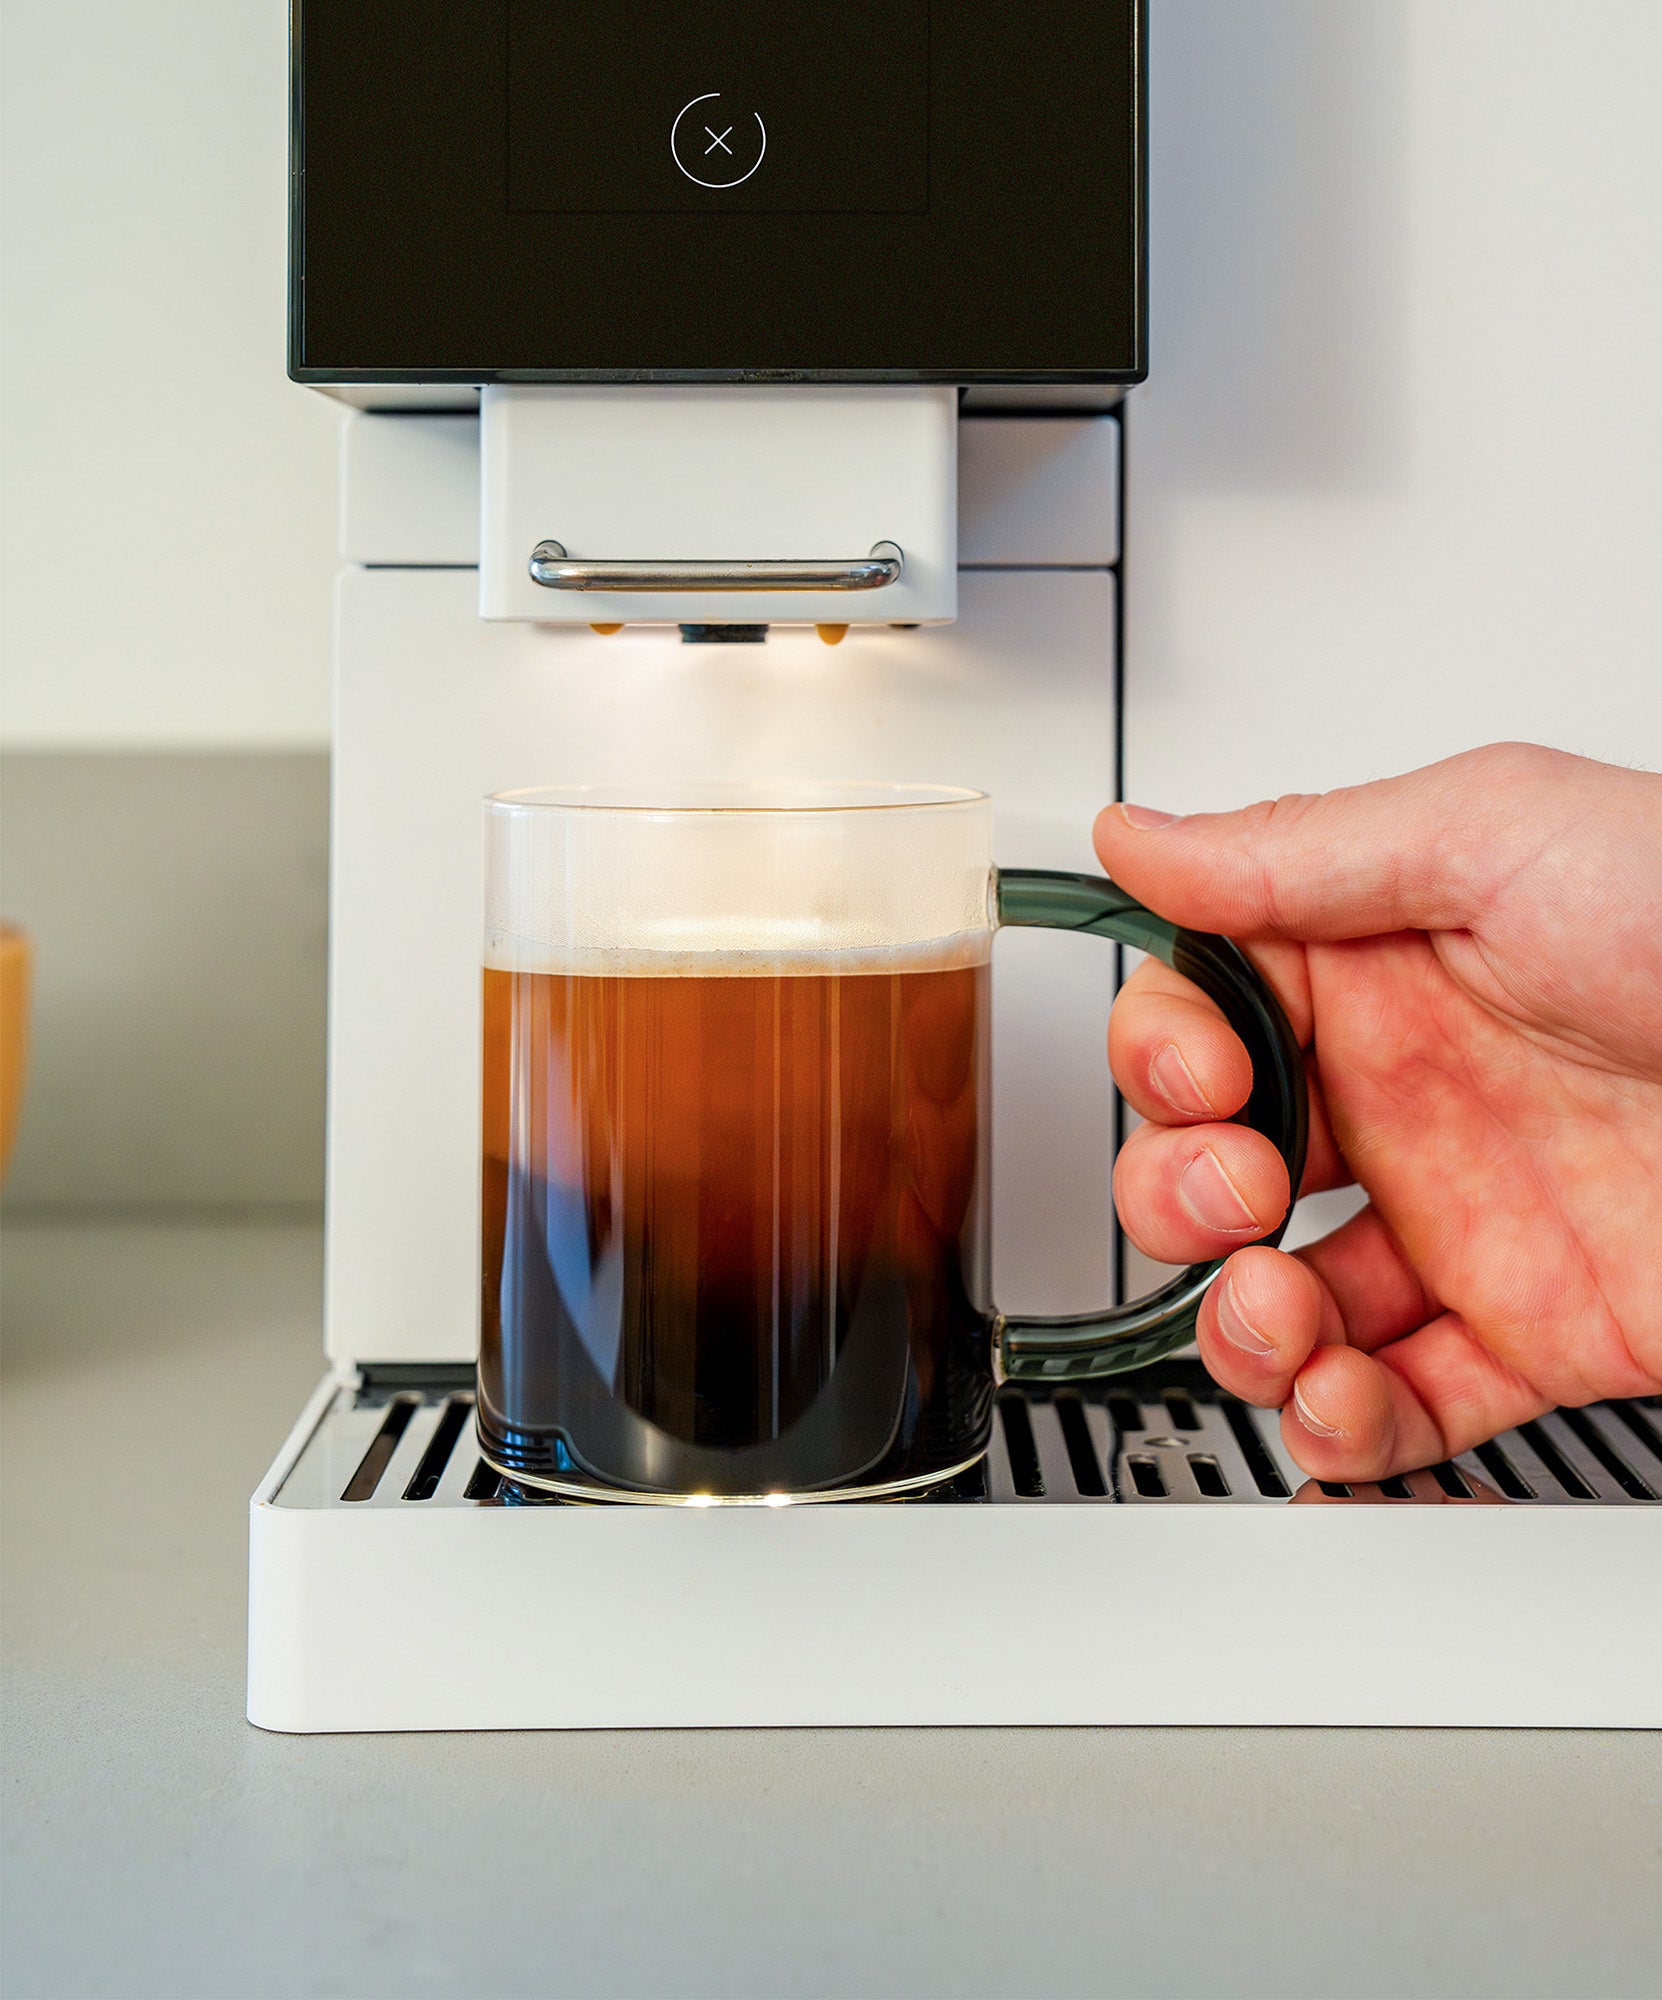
column 1144, row 818
column 1234, row 1325
column 1212, row 1198
column 1307, row 1416
column 1175, row 1081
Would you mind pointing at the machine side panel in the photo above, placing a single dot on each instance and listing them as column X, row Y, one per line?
column 409, row 491
column 1040, row 490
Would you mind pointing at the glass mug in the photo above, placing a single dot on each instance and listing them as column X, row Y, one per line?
column 735, row 1137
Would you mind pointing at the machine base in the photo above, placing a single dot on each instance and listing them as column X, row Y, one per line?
column 1147, row 1557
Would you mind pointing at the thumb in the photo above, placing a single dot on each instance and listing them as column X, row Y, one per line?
column 1419, row 852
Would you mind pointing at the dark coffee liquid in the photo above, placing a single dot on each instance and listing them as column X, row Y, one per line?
column 735, row 1231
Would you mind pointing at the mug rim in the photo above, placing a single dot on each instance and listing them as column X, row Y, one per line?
column 759, row 800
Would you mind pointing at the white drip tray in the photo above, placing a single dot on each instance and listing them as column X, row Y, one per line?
column 1147, row 1554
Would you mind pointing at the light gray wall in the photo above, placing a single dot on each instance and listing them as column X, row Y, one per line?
column 167, row 503
column 168, row 495
column 178, row 904
column 1393, row 480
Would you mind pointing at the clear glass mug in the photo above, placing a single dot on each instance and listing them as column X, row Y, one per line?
column 735, row 1176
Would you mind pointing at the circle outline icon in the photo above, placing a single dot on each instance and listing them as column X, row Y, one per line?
column 675, row 154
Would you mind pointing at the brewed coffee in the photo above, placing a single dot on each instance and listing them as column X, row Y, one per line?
column 735, row 1222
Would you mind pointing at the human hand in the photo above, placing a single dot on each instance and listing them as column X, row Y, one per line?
column 1471, row 958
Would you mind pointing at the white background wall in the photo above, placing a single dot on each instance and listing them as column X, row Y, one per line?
column 168, row 495
column 1395, row 481
column 1396, row 476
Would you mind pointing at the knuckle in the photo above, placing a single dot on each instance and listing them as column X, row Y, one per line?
column 1267, row 828
column 1515, row 762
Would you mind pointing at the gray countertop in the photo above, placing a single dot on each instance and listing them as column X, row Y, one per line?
column 155, row 1844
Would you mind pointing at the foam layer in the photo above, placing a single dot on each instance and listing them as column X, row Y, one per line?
column 735, row 894
column 701, row 951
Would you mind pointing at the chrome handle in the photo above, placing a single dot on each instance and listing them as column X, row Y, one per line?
column 555, row 570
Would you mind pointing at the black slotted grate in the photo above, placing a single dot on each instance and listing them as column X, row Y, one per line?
column 1163, row 1438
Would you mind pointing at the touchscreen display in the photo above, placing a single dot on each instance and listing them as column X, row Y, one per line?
column 839, row 190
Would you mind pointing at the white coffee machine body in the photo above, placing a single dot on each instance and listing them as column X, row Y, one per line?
column 436, row 707
column 688, row 392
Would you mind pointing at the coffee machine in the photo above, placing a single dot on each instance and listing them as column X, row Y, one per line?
column 742, row 395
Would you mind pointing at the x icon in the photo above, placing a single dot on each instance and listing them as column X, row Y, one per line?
column 717, row 139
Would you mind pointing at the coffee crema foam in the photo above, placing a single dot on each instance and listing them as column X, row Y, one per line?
column 747, row 950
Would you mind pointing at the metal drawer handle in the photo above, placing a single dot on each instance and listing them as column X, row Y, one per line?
column 555, row 570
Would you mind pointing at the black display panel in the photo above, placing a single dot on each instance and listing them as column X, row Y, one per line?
column 693, row 189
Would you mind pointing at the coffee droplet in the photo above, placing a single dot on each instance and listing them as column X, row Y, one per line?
column 605, row 631
column 833, row 635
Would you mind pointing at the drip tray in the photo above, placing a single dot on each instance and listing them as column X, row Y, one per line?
column 1164, row 1438
column 1148, row 1554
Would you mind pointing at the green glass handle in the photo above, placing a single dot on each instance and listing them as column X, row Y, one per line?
column 1080, row 1346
